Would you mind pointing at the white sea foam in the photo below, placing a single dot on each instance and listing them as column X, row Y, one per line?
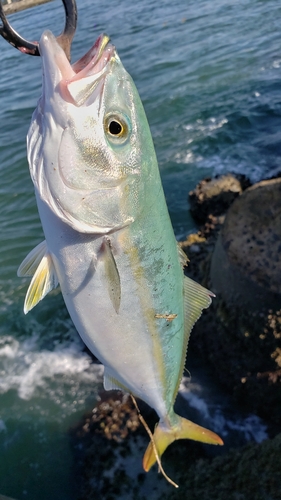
column 187, row 157
column 276, row 63
column 32, row 371
column 219, row 165
column 251, row 426
column 196, row 131
column 255, row 170
column 205, row 127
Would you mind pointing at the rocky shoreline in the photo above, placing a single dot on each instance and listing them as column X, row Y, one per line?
column 242, row 342
column 241, row 345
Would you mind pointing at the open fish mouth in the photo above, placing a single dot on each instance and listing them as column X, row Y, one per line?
column 77, row 81
column 95, row 59
column 55, row 52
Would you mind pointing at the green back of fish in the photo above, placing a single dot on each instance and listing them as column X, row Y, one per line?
column 153, row 252
column 171, row 302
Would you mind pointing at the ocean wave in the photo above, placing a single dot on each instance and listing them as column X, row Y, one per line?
column 39, row 373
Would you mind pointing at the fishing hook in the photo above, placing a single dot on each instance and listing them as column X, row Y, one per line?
column 32, row 48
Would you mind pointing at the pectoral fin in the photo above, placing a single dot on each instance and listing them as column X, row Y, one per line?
column 32, row 260
column 38, row 263
column 111, row 274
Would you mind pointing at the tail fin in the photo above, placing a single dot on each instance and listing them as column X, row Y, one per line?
column 163, row 436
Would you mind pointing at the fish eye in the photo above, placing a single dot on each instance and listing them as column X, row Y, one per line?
column 116, row 127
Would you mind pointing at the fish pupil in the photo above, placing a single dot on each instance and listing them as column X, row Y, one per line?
column 115, row 128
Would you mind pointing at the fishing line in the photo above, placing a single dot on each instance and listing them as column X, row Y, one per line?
column 153, row 444
column 188, row 373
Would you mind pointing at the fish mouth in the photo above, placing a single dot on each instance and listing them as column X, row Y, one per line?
column 95, row 59
column 79, row 80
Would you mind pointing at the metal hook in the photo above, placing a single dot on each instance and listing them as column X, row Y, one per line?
column 64, row 39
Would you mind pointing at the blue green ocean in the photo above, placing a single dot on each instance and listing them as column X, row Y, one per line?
column 209, row 75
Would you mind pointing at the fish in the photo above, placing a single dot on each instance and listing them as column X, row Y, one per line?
column 109, row 242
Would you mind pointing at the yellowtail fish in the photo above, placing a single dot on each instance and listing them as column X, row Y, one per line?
column 109, row 239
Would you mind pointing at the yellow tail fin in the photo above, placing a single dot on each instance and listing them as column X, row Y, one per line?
column 163, row 436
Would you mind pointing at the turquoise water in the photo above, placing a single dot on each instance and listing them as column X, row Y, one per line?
column 209, row 76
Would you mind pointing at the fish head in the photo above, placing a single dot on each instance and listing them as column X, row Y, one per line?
column 89, row 145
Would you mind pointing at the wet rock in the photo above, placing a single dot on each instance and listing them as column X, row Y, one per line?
column 243, row 343
column 243, row 350
column 199, row 248
column 246, row 265
column 110, row 443
column 111, row 468
column 254, row 472
column 214, row 196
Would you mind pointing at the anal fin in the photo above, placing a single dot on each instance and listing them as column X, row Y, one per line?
column 112, row 384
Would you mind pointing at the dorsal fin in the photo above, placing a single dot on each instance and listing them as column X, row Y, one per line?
column 196, row 298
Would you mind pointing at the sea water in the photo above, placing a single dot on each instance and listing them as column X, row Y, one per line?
column 209, row 75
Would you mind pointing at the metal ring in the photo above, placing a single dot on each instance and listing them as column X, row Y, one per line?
column 32, row 48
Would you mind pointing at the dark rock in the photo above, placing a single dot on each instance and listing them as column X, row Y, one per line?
column 214, row 196
column 254, row 472
column 246, row 265
column 110, row 443
column 243, row 344
column 111, row 467
column 243, row 350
